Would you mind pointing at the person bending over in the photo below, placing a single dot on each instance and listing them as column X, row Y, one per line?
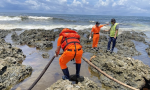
column 69, row 41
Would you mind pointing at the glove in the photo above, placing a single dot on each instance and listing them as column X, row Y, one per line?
column 56, row 54
column 72, row 60
column 89, row 38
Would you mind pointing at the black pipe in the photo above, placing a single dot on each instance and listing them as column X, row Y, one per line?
column 42, row 73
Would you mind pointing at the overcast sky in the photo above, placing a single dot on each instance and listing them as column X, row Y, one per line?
column 89, row 7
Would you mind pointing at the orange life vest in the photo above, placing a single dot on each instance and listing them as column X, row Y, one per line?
column 69, row 37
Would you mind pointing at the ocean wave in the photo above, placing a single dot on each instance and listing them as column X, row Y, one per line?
column 46, row 27
column 61, row 19
column 22, row 18
column 39, row 18
column 35, row 18
column 58, row 19
column 9, row 18
column 77, row 27
column 92, row 21
column 18, row 18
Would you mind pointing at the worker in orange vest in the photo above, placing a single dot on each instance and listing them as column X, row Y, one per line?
column 69, row 41
column 95, row 30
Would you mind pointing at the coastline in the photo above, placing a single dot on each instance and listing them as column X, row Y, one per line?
column 31, row 41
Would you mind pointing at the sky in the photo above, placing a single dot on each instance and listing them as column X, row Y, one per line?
column 84, row 7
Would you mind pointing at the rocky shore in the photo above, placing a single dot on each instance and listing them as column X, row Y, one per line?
column 119, row 64
column 11, row 69
column 125, row 45
column 127, row 70
column 148, row 50
column 41, row 39
column 87, row 84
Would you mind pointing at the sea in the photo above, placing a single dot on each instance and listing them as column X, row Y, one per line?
column 28, row 21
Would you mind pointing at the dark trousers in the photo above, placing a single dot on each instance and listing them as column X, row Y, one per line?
column 111, row 39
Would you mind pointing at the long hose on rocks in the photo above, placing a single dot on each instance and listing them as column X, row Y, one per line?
column 86, row 60
column 42, row 73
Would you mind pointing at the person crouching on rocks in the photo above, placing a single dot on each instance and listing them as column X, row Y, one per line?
column 95, row 30
column 113, row 35
column 69, row 41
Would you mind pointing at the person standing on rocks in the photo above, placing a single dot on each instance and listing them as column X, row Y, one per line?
column 113, row 35
column 95, row 30
column 69, row 41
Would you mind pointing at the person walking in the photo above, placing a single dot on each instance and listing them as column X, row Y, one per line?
column 69, row 41
column 113, row 35
column 95, row 30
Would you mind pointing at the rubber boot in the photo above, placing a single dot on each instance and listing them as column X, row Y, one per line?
column 78, row 70
column 66, row 74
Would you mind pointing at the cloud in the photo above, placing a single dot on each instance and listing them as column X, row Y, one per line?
column 102, row 3
column 76, row 3
column 109, row 7
column 85, row 2
column 34, row 5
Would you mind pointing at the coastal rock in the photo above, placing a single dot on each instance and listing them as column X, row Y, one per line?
column 125, row 45
column 80, row 32
column 127, row 48
column 103, row 37
column 43, row 45
column 11, row 69
column 17, row 29
column 4, row 33
column 68, row 85
column 127, row 70
column 57, row 31
column 15, row 36
column 104, row 32
column 130, row 35
column 39, row 38
column 142, row 34
column 45, row 55
column 148, row 50
column 84, row 40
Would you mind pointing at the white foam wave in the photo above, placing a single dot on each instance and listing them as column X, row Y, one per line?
column 39, row 18
column 7, row 18
column 92, row 21
column 17, row 18
column 46, row 27
column 77, row 27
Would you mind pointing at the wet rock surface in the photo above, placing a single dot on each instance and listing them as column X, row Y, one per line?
column 127, row 70
column 68, row 85
column 124, row 43
column 119, row 65
column 11, row 69
column 127, row 48
column 4, row 33
column 148, row 50
column 131, row 35
column 39, row 38
column 45, row 55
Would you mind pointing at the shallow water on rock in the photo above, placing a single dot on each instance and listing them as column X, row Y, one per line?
column 141, row 48
column 34, row 58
